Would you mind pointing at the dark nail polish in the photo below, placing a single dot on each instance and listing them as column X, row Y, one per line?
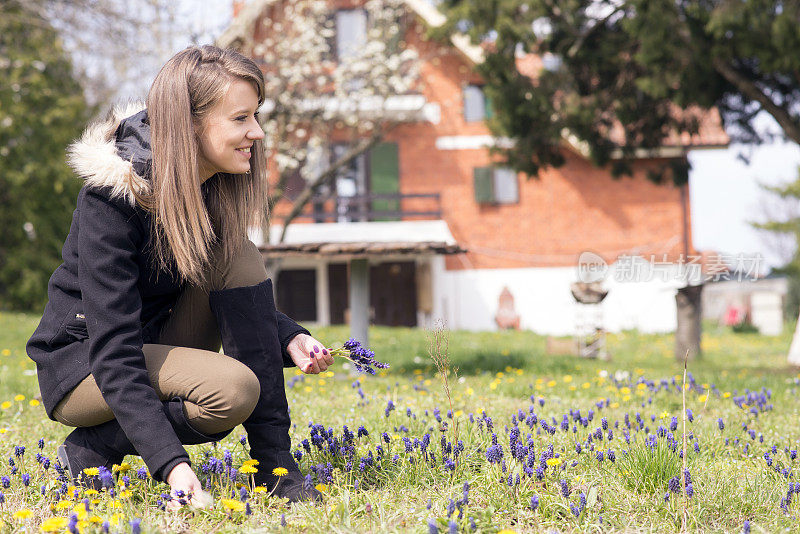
column 316, row 348
column 311, row 354
column 325, row 351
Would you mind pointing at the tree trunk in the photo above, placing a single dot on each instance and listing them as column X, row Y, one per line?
column 794, row 349
column 689, row 329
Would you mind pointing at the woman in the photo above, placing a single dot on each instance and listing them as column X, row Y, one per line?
column 158, row 272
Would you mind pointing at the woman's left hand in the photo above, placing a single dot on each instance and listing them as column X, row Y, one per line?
column 309, row 355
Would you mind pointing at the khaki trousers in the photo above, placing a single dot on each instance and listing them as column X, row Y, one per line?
column 218, row 392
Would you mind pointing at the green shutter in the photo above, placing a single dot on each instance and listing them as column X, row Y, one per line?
column 484, row 186
column 385, row 178
column 487, row 106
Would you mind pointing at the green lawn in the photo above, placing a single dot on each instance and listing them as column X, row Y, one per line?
column 393, row 480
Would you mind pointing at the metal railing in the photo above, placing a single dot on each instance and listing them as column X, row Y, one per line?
column 374, row 207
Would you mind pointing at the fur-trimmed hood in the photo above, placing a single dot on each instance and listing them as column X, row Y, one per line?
column 115, row 153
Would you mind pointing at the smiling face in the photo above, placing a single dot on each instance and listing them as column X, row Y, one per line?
column 229, row 131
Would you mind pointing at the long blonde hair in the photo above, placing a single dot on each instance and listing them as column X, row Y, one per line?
column 186, row 226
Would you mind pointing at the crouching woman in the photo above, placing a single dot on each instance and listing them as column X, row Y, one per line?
column 158, row 273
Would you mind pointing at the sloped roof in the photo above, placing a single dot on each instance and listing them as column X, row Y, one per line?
column 361, row 249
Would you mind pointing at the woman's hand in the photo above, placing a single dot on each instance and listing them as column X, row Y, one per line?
column 309, row 355
column 184, row 483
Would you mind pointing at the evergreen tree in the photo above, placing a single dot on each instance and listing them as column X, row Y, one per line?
column 42, row 109
column 633, row 64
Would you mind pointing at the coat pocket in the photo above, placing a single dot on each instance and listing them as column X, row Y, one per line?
column 73, row 328
column 76, row 326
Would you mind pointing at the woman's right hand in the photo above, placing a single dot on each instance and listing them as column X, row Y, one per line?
column 183, row 479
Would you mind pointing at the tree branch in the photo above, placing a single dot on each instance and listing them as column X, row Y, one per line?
column 325, row 176
column 750, row 89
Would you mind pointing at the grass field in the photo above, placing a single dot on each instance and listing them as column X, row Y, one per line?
column 525, row 442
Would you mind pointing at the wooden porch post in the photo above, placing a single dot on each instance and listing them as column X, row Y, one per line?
column 359, row 300
column 323, row 293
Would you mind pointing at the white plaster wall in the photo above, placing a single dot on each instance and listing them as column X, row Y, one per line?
column 468, row 299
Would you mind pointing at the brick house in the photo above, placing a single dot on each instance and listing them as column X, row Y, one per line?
column 523, row 236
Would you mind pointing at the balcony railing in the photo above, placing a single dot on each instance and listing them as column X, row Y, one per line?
column 375, row 207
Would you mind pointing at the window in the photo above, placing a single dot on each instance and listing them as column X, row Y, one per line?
column 351, row 32
column 476, row 106
column 495, row 185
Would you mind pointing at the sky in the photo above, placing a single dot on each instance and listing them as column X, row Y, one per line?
column 725, row 195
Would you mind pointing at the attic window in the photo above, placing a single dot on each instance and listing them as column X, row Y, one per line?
column 351, row 32
column 476, row 106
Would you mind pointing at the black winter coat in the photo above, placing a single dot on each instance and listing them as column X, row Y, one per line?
column 106, row 300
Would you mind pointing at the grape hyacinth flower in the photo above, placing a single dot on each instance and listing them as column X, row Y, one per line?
column 363, row 358
column 534, row 503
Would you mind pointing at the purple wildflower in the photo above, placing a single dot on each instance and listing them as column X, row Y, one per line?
column 136, row 526
column 494, row 454
column 534, row 503
column 721, row 423
column 363, row 358
column 106, row 479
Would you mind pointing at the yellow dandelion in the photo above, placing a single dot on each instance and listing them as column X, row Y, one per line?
column 568, row 378
column 726, row 395
column 280, row 471
column 250, row 462
column 260, row 489
column 34, row 402
column 322, row 488
column 124, row 467
column 54, row 524
column 248, row 469
column 586, row 385
column 124, row 494
column 6, row 352
column 470, row 391
column 614, row 405
column 19, row 398
column 92, row 472
column 115, row 519
column 552, row 462
column 96, row 519
column 507, row 531
column 232, row 505
column 551, row 383
column 23, row 514
column 702, row 398
column 63, row 505
column 664, row 415
column 3, row 430
column 90, row 492
column 6, row 405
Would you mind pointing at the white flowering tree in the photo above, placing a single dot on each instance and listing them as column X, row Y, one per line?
column 352, row 86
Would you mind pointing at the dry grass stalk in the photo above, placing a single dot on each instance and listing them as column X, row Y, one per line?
column 438, row 350
column 683, row 473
